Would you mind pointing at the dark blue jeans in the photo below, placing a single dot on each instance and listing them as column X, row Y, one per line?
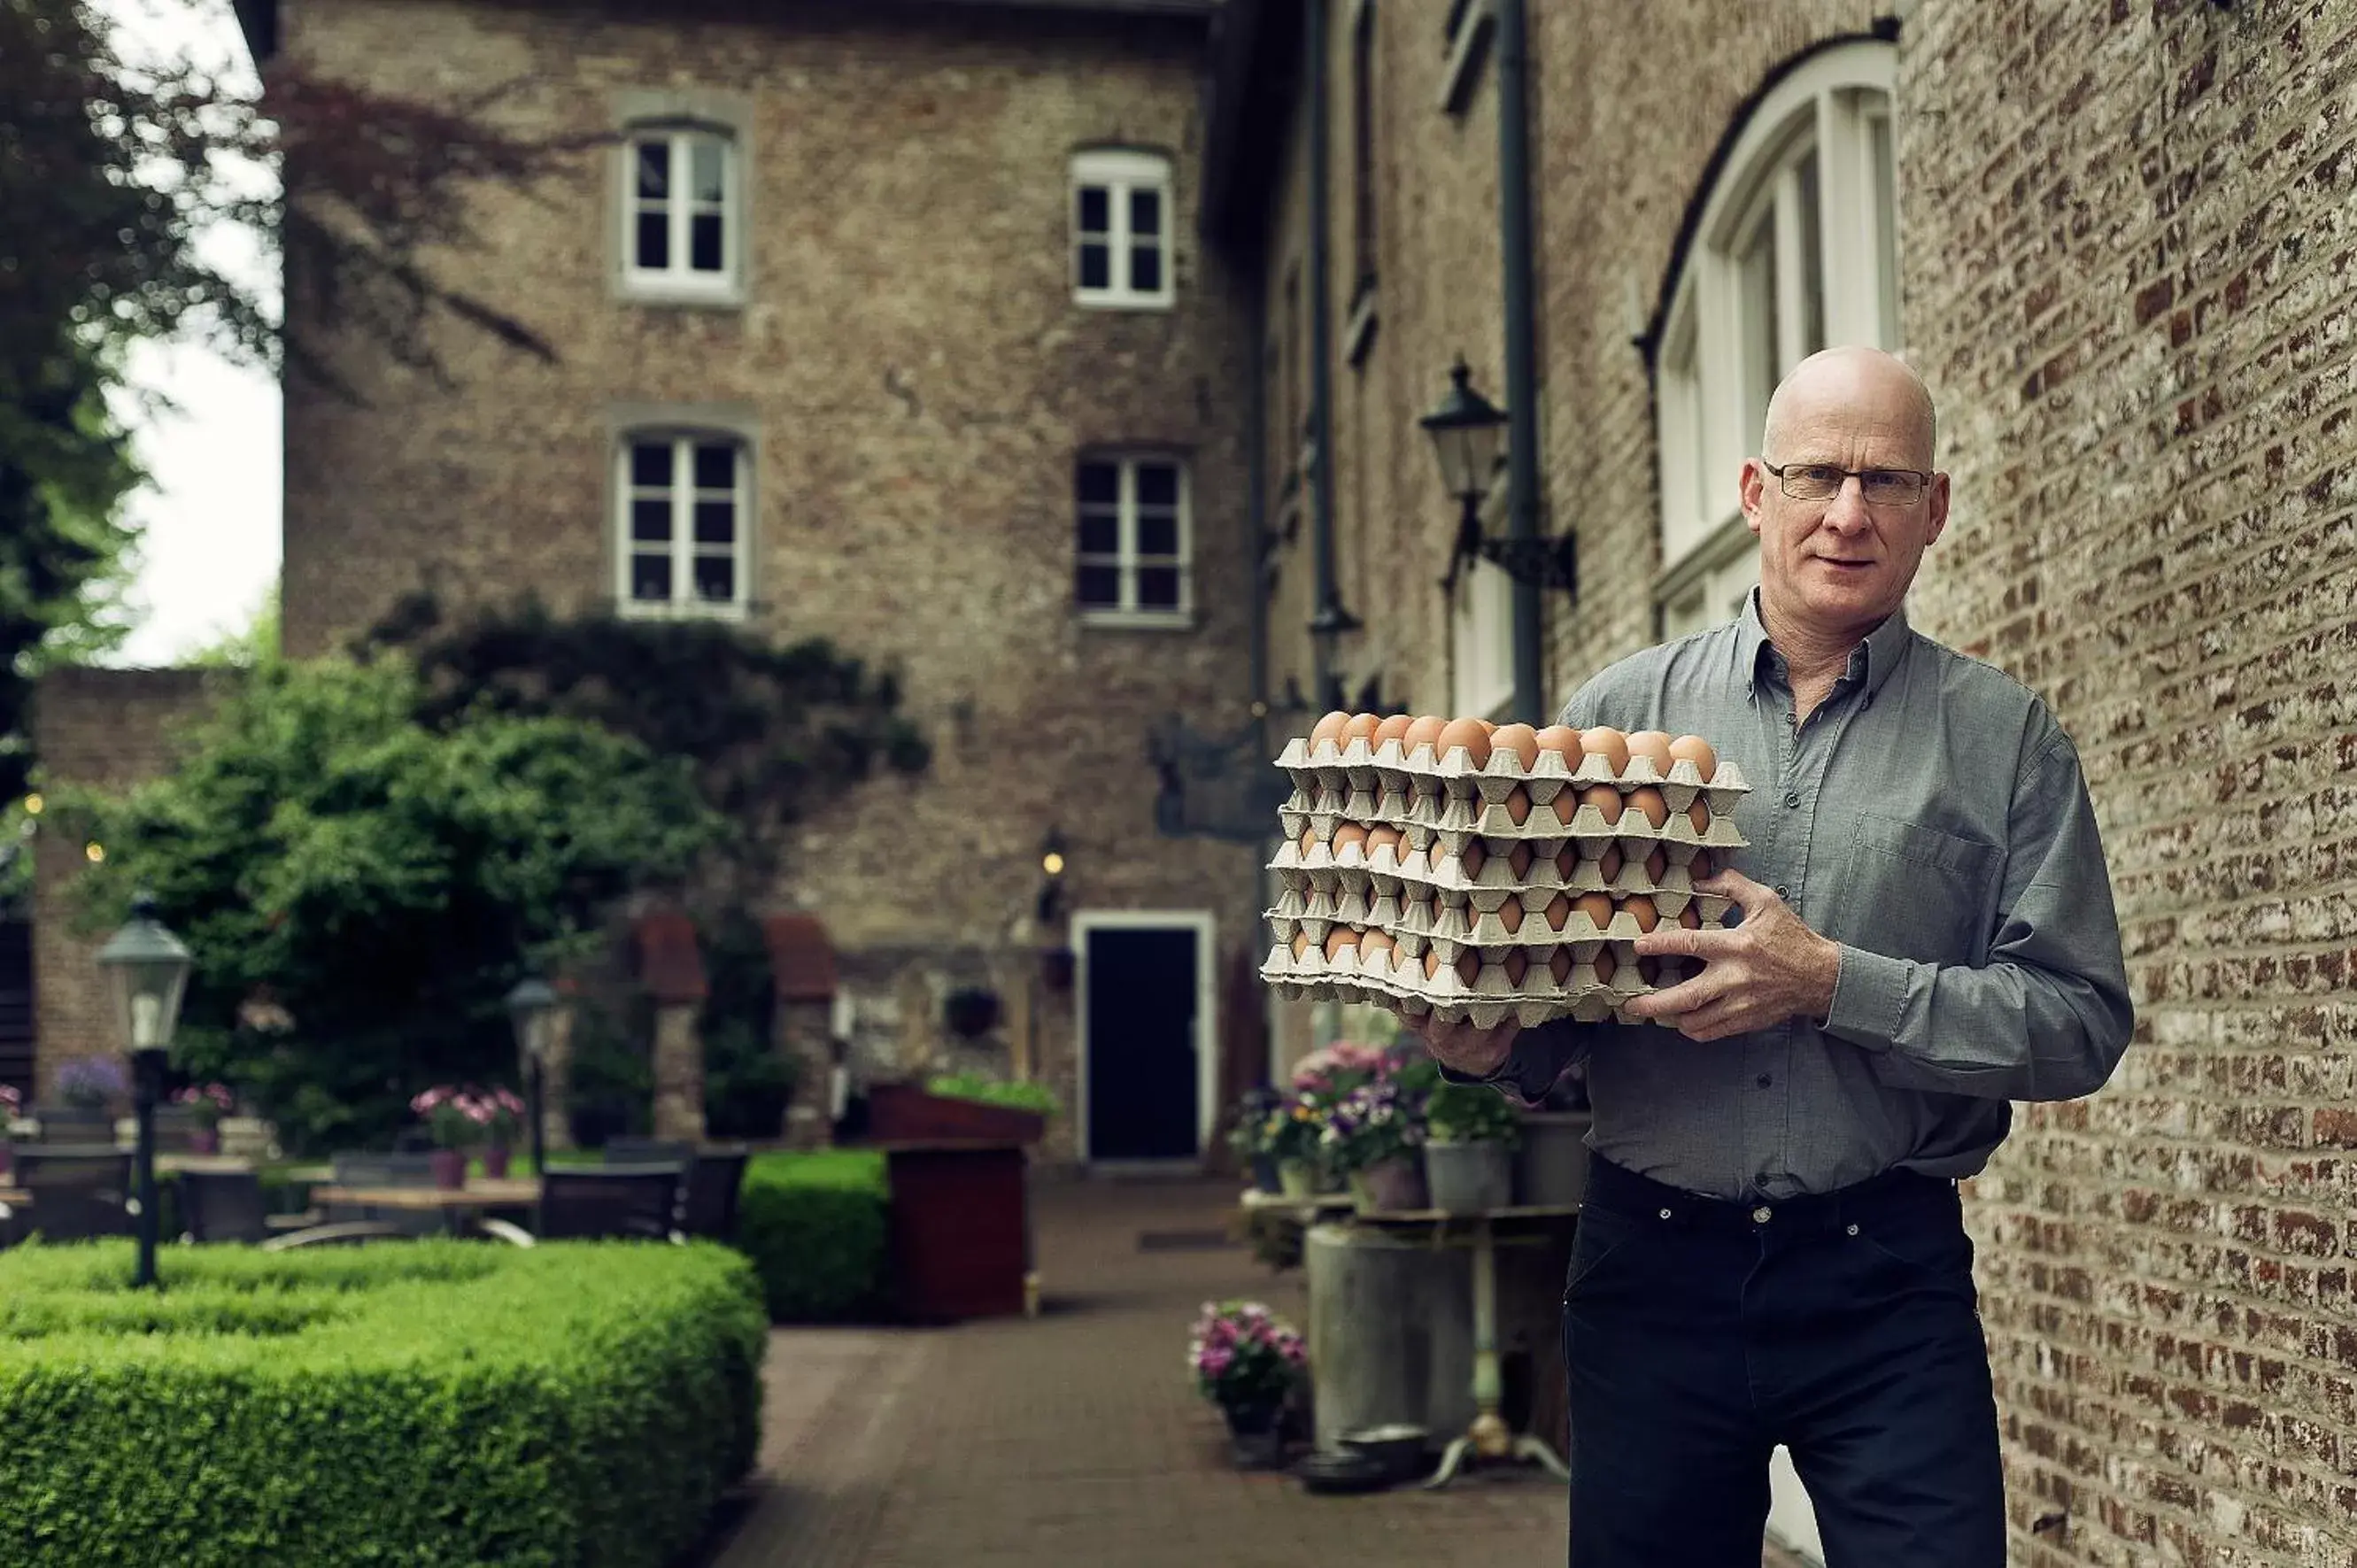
column 1699, row 1334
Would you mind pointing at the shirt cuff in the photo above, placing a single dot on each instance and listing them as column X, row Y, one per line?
column 1870, row 999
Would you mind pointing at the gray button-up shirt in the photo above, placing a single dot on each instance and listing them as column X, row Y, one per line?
column 1928, row 816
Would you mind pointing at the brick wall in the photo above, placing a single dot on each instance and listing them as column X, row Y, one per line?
column 2126, row 264
column 922, row 383
column 105, row 729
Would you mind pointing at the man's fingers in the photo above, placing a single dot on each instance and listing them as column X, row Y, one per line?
column 1750, row 896
column 1684, row 997
column 1677, row 941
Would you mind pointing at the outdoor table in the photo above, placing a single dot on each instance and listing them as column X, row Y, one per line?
column 1488, row 1436
column 451, row 1202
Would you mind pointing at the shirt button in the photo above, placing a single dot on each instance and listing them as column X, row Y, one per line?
column 1761, row 1215
column 1784, row 892
column 1791, row 797
column 1765, row 1080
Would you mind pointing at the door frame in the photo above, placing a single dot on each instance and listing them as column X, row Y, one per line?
column 1207, row 1031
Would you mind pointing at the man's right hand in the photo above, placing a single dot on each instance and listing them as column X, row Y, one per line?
column 1477, row 1053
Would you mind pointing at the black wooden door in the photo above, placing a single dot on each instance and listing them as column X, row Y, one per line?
column 1143, row 1082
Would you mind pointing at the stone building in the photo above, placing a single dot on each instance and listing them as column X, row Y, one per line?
column 888, row 324
column 2115, row 240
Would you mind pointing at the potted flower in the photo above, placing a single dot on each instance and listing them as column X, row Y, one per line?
column 1247, row 1361
column 89, row 1088
column 1374, row 1133
column 1248, row 1137
column 459, row 1120
column 507, row 1123
column 205, row 1105
column 1470, row 1131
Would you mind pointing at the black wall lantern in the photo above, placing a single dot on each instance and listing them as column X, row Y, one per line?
column 1469, row 435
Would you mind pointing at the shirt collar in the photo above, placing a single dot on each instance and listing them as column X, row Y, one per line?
column 1871, row 663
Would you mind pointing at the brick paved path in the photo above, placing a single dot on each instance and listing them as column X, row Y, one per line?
column 1074, row 1440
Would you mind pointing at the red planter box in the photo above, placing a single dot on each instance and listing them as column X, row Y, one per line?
column 961, row 1230
column 901, row 1113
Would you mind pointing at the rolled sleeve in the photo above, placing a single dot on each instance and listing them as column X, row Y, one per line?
column 1540, row 1057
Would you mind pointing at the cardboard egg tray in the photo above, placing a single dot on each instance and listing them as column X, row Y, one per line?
column 1367, row 782
column 1579, row 991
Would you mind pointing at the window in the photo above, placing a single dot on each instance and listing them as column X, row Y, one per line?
column 685, row 517
column 681, row 222
column 1121, row 228
column 1129, row 567
column 1796, row 250
column 1481, row 636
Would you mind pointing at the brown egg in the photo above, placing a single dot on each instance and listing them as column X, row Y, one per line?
column 1648, row 800
column 1606, row 799
column 1657, row 866
column 1510, row 915
column 1309, row 841
column 1330, row 728
column 1392, row 728
column 1519, row 739
column 1701, row 865
column 1411, row 860
column 1300, row 944
column 1469, row 966
column 1518, row 861
column 1643, row 909
column 1385, row 833
column 1566, row 862
column 1566, row 805
column 1377, row 950
column 1489, row 726
column 1518, row 805
column 1690, row 918
column 1474, row 858
column 1598, row 906
column 1694, row 749
column 1607, row 743
column 1516, row 964
column 1653, row 747
column 1558, row 911
column 1607, row 864
column 1347, row 833
column 1564, row 741
column 1359, row 726
column 1699, row 815
column 1468, row 734
column 1607, row 966
column 1431, row 963
column 1422, row 730
column 1649, row 970
column 1341, row 937
column 1559, row 965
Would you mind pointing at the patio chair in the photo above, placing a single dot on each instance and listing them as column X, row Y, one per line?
column 707, row 1205
column 616, row 1203
column 230, row 1206
column 78, row 1191
column 372, row 1168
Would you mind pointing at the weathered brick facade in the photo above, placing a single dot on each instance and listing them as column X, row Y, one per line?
column 2125, row 271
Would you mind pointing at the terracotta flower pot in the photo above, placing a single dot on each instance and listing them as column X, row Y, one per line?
column 450, row 1167
column 204, row 1140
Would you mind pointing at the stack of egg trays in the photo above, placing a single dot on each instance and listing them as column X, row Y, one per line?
column 1438, row 913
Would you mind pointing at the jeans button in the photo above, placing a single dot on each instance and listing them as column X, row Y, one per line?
column 1666, row 1214
column 1761, row 1215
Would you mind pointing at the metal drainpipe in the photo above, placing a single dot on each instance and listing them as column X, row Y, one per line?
column 1522, row 352
column 1331, row 619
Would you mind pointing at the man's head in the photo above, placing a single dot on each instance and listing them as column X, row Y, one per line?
column 1832, row 567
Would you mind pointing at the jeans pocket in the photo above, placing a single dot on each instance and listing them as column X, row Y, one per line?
column 1599, row 1238
column 1940, row 1251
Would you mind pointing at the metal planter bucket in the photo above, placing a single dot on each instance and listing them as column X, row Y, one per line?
column 1468, row 1179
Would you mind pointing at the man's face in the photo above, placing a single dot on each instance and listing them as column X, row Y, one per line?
column 1836, row 567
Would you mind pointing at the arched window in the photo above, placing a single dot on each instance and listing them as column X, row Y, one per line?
column 1796, row 250
column 684, row 524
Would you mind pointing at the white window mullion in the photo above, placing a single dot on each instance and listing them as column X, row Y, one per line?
column 1792, row 286
column 682, row 521
column 1117, row 228
column 1845, row 210
column 1130, row 599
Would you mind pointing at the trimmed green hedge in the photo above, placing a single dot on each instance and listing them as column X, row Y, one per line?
column 440, row 1404
column 813, row 1224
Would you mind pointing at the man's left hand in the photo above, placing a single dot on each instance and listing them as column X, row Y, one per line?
column 1755, row 975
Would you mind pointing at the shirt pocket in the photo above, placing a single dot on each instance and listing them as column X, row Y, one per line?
column 1915, row 892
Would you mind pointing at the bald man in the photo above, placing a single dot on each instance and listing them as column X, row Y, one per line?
column 1772, row 1251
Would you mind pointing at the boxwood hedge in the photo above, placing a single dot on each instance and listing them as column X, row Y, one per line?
column 813, row 1224
column 433, row 1403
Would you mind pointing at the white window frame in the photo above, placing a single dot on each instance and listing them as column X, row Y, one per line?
column 1481, row 626
column 683, row 603
column 1126, row 558
column 1837, row 104
column 677, row 281
column 1120, row 172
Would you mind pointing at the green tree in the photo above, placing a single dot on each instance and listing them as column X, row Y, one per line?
column 360, row 889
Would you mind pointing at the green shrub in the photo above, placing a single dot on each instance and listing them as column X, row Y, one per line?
column 1016, row 1095
column 433, row 1404
column 813, row 1224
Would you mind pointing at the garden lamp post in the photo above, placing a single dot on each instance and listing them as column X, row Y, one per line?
column 147, row 969
column 531, row 1007
column 1467, row 431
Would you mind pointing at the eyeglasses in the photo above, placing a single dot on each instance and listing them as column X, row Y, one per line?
column 1823, row 481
